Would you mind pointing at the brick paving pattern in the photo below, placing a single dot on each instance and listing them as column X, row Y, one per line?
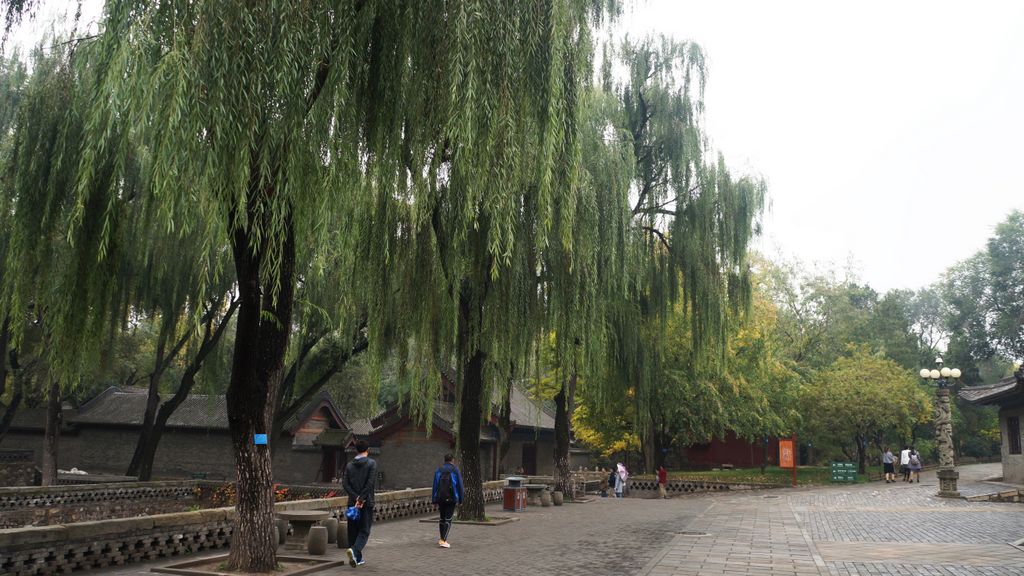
column 874, row 529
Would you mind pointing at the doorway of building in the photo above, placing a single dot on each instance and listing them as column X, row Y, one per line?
column 530, row 459
column 329, row 466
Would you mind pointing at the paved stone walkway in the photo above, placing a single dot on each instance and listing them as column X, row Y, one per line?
column 874, row 529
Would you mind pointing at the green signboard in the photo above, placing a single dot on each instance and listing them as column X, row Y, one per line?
column 844, row 472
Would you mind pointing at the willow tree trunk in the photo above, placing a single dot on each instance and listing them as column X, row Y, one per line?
column 563, row 416
column 144, row 444
column 148, row 444
column 51, row 438
column 861, row 455
column 470, row 409
column 505, row 422
column 764, row 453
column 148, row 455
column 11, row 408
column 648, row 447
column 257, row 368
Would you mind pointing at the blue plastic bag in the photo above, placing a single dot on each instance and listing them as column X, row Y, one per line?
column 352, row 514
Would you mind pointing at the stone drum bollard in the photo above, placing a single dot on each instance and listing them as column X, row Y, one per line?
column 545, row 498
column 332, row 530
column 316, row 542
column 557, row 498
column 342, row 538
column 282, row 530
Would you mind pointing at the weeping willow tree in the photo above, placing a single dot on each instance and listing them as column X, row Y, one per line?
column 86, row 282
column 690, row 224
column 13, row 79
column 426, row 149
column 486, row 186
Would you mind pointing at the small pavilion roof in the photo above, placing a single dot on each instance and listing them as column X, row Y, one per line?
column 1006, row 392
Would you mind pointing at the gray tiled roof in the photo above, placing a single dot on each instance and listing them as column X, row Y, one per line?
column 35, row 418
column 993, row 393
column 530, row 413
column 333, row 437
column 361, row 427
column 127, row 407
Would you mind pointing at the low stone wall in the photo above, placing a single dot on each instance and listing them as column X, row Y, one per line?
column 17, row 468
column 71, row 479
column 1012, row 495
column 52, row 505
column 83, row 545
column 642, row 488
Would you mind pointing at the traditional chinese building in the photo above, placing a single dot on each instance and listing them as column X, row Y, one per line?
column 1008, row 395
column 100, row 438
column 408, row 450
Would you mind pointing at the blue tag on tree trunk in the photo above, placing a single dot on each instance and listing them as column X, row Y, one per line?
column 260, row 439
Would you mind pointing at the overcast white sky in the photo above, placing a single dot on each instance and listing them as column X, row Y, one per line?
column 890, row 133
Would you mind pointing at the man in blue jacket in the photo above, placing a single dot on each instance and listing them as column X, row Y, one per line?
column 447, row 495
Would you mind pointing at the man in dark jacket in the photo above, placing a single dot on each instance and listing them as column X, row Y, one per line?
column 360, row 477
column 447, row 495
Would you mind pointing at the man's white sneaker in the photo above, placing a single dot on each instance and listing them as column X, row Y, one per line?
column 351, row 557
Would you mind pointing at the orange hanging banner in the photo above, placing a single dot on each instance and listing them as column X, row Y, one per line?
column 787, row 449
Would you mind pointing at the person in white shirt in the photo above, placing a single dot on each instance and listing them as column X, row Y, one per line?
column 905, row 463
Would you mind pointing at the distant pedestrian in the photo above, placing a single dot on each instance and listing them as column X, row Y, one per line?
column 905, row 463
column 360, row 477
column 621, row 475
column 447, row 494
column 915, row 466
column 662, row 481
column 888, row 461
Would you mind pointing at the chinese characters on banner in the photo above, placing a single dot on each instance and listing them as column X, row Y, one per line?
column 786, row 453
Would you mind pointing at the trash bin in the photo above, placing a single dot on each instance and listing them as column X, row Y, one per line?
column 513, row 495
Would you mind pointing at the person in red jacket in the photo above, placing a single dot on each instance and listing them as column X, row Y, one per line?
column 662, row 481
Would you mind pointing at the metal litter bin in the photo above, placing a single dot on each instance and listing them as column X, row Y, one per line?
column 513, row 495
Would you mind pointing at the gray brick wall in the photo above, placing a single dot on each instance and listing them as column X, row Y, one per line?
column 101, row 450
column 409, row 457
column 180, row 453
column 33, row 440
column 1013, row 464
column 297, row 466
column 545, row 445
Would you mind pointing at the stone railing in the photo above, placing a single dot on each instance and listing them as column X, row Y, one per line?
column 648, row 488
column 17, row 468
column 83, row 545
column 71, row 479
column 46, row 505
column 46, row 496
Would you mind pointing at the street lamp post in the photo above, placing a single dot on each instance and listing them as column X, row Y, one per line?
column 943, row 377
